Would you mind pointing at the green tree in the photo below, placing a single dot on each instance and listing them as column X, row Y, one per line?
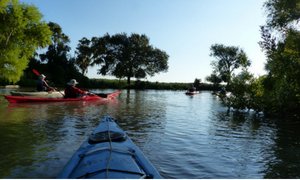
column 21, row 32
column 56, row 61
column 228, row 59
column 282, row 82
column 282, row 48
column 282, row 14
column 84, row 55
column 240, row 91
column 213, row 78
column 256, row 94
column 128, row 56
column 58, row 49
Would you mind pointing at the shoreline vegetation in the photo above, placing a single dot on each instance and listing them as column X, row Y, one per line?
column 132, row 56
column 120, row 84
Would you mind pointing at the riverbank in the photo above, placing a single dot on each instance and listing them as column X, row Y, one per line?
column 122, row 84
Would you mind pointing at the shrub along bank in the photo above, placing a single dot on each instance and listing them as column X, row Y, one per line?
column 121, row 84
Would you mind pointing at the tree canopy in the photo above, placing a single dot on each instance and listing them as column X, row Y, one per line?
column 123, row 56
column 22, row 31
column 84, row 55
column 56, row 62
column 228, row 59
column 281, row 85
column 282, row 13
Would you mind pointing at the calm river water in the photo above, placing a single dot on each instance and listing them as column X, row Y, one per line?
column 183, row 136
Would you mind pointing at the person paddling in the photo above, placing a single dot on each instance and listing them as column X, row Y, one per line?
column 42, row 85
column 73, row 92
column 192, row 88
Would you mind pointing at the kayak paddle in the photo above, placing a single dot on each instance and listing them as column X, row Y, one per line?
column 38, row 74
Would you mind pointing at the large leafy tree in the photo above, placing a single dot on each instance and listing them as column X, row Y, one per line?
column 215, row 79
column 282, row 14
column 56, row 61
column 281, row 85
column 240, row 91
column 59, row 48
column 228, row 59
column 22, row 31
column 128, row 56
column 84, row 55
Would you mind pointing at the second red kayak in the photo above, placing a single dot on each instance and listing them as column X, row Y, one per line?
column 21, row 99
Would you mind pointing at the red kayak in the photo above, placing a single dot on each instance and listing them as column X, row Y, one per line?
column 94, row 97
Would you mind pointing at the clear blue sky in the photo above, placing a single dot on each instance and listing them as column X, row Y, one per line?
column 185, row 29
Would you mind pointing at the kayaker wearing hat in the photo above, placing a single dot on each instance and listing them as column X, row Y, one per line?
column 42, row 85
column 73, row 92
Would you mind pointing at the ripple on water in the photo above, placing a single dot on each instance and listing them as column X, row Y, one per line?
column 183, row 136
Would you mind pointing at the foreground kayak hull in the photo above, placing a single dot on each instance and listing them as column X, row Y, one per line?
column 109, row 154
column 23, row 99
column 50, row 94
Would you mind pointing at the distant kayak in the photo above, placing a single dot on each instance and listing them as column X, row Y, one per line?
column 192, row 92
column 23, row 99
column 50, row 94
column 109, row 154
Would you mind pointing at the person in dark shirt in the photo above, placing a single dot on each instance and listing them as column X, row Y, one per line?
column 73, row 92
column 42, row 85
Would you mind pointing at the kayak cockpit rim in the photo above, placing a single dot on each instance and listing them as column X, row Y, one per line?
column 109, row 158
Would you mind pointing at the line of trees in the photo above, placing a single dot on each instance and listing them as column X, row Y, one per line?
column 27, row 42
column 121, row 56
column 277, row 92
column 23, row 35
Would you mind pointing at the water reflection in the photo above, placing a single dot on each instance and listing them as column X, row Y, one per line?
column 286, row 151
column 141, row 115
column 47, row 134
column 183, row 136
column 250, row 138
column 39, row 135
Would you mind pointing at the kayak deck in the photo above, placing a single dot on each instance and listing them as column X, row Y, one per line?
column 47, row 94
column 22, row 99
column 109, row 153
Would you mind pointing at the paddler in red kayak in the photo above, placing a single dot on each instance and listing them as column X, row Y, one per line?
column 73, row 92
column 42, row 85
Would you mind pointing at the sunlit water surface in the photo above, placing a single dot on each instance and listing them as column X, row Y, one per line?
column 183, row 136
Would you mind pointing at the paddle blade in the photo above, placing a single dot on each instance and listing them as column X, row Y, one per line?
column 36, row 72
